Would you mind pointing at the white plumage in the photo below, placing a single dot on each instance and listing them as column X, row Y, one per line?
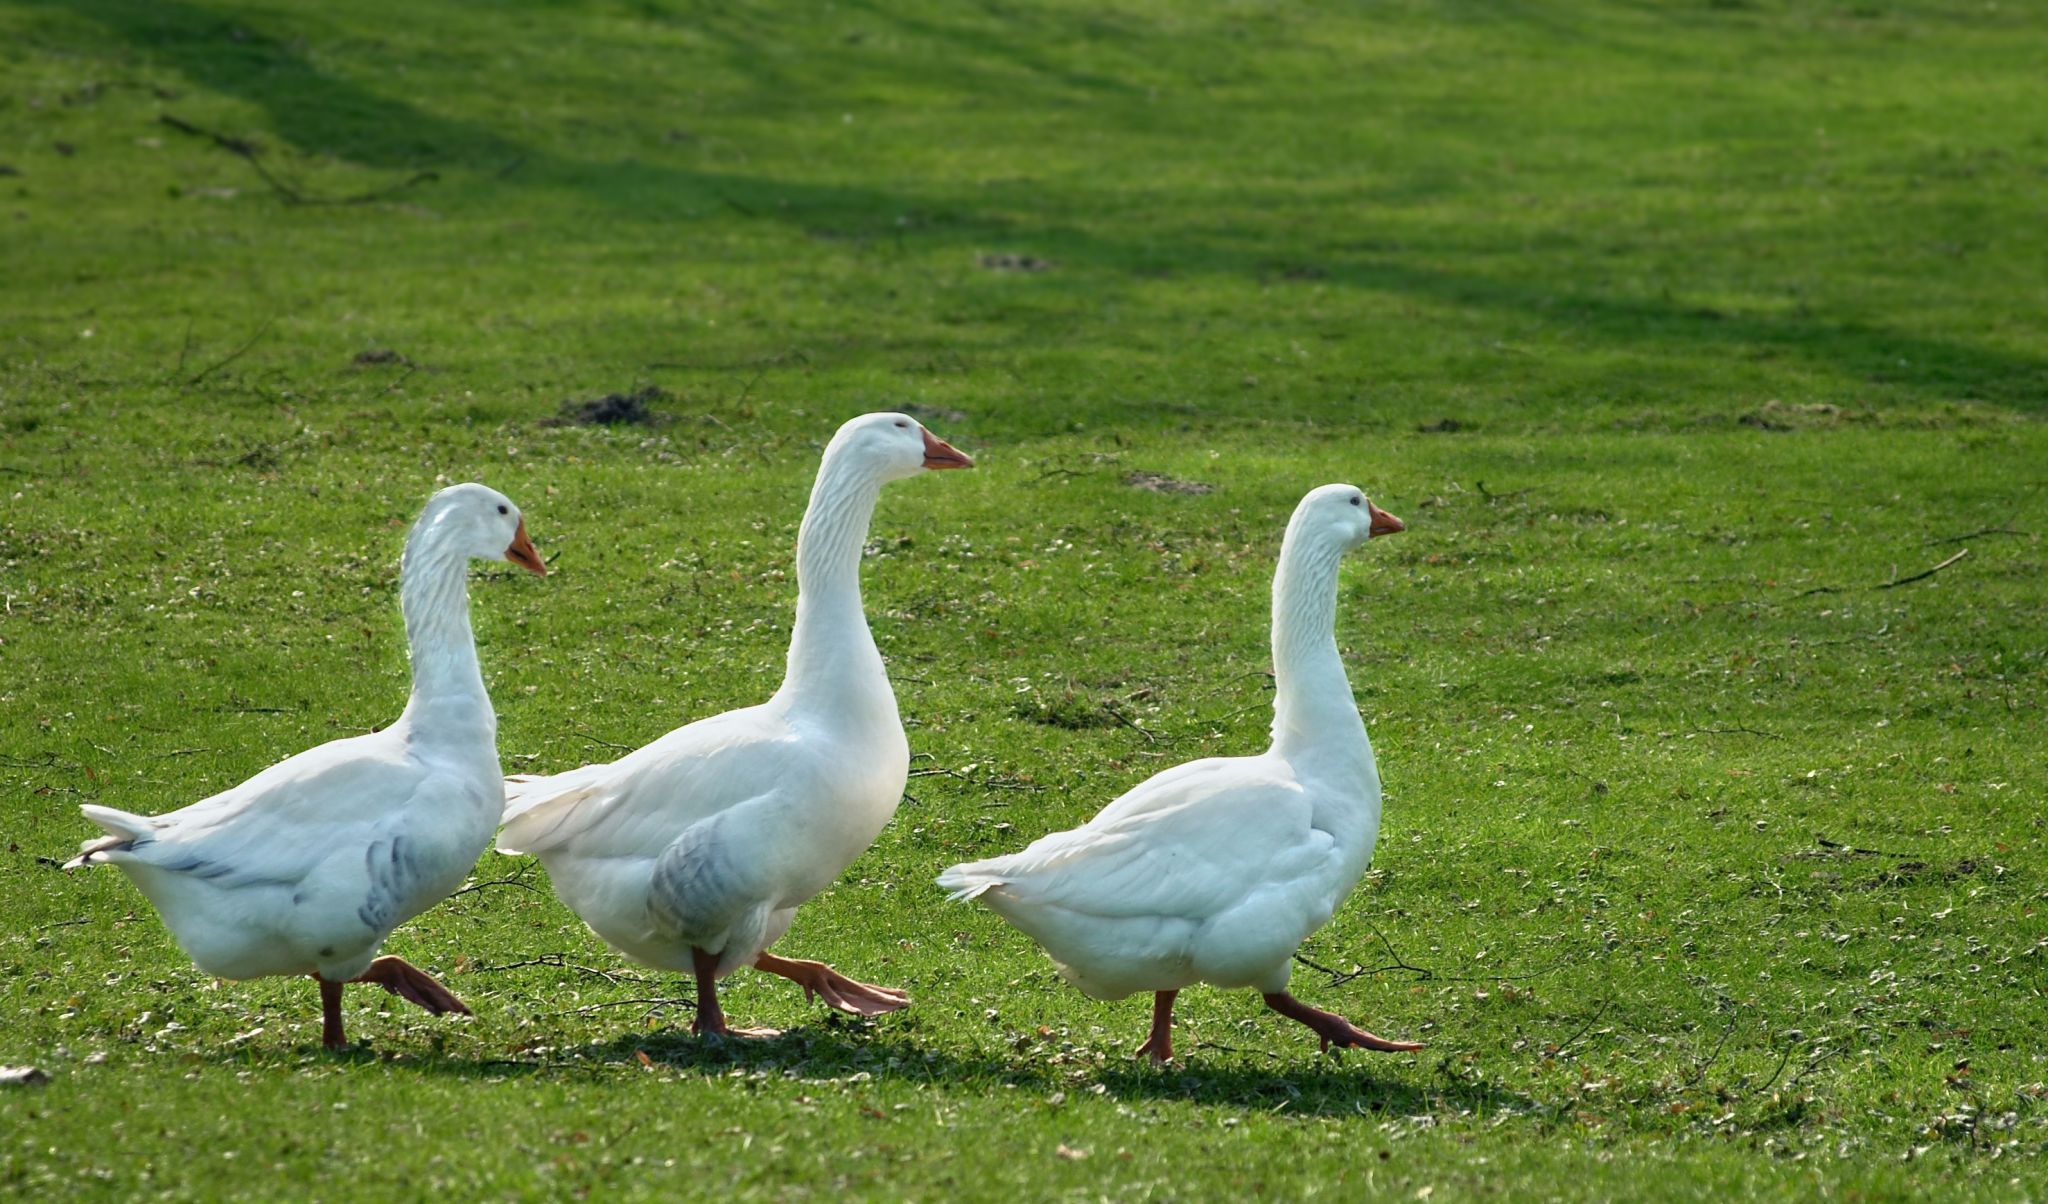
column 307, row 867
column 1215, row 871
column 694, row 852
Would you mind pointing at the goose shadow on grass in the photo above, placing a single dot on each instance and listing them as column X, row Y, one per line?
column 831, row 1049
column 1326, row 1086
column 835, row 1049
column 320, row 113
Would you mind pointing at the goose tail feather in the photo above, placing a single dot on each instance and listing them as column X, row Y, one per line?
column 123, row 832
column 966, row 882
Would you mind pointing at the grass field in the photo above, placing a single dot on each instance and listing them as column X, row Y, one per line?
column 1713, row 861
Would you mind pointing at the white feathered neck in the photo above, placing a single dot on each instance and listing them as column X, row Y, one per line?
column 1314, row 713
column 832, row 655
column 448, row 695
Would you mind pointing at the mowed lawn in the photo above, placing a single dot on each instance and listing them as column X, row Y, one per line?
column 1686, row 338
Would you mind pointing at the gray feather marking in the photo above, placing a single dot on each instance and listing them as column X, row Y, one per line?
column 697, row 887
column 394, row 875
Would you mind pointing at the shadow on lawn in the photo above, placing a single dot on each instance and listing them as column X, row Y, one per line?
column 839, row 1050
column 829, row 1049
column 1324, row 1086
column 324, row 114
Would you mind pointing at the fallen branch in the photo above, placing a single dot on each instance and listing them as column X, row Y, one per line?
column 1922, row 576
column 525, row 1065
column 1231, row 681
column 990, row 782
column 1050, row 473
column 404, row 376
column 1815, row 1061
column 1700, row 1068
column 1846, row 849
column 588, row 1008
column 184, row 349
column 47, row 759
column 512, row 881
column 1782, row 1063
column 1126, row 720
column 1259, row 1053
column 234, row 355
column 249, row 153
column 1893, row 584
column 1935, row 543
column 1585, row 1028
column 516, row 878
column 1338, row 977
column 560, row 961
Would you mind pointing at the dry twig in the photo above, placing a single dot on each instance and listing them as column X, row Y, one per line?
column 234, row 355
column 1924, row 575
column 1892, row 584
column 249, row 153
column 560, row 960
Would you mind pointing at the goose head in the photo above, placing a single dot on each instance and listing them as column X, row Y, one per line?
column 479, row 522
column 1343, row 515
column 892, row 446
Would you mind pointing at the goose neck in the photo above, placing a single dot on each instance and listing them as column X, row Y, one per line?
column 1313, row 710
column 447, row 682
column 830, row 645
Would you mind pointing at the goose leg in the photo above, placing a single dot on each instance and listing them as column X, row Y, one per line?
column 395, row 975
column 1332, row 1029
column 710, row 1021
column 331, row 1035
column 1160, row 1043
column 821, row 981
column 410, row 983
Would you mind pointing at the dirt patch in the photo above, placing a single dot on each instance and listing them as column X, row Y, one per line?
column 1790, row 416
column 613, row 409
column 1904, row 872
column 1443, row 426
column 1067, row 710
column 1159, row 482
column 1017, row 263
column 378, row 355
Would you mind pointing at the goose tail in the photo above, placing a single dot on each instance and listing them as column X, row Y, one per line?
column 123, row 832
column 969, row 881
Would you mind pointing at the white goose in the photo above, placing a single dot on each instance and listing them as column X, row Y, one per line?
column 1215, row 871
column 693, row 853
column 307, row 867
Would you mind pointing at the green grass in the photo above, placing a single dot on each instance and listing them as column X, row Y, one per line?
column 1650, row 320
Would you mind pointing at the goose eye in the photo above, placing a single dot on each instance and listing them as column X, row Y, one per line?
column 903, row 426
column 1358, row 499
column 502, row 509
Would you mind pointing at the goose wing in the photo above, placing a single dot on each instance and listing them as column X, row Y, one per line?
column 275, row 827
column 1191, row 843
column 645, row 798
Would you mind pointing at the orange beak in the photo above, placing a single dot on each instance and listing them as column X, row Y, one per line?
column 940, row 454
column 522, row 552
column 1383, row 523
